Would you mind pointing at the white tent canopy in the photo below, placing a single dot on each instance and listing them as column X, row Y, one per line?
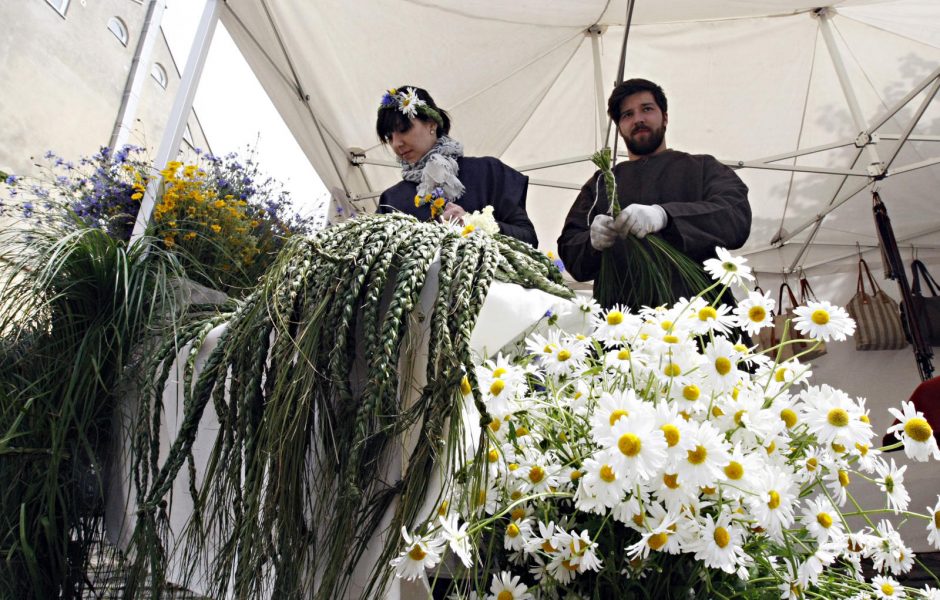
column 753, row 83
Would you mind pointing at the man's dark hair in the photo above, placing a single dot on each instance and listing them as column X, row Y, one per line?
column 630, row 87
column 391, row 119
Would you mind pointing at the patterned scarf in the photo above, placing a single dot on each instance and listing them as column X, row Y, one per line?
column 437, row 168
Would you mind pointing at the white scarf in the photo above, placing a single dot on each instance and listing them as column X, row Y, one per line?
column 437, row 168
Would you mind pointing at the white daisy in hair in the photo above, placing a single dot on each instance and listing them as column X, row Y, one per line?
column 755, row 312
column 915, row 431
column 821, row 320
column 420, row 553
column 616, row 325
column 408, row 102
column 507, row 586
column 728, row 269
column 933, row 526
column 890, row 480
column 822, row 520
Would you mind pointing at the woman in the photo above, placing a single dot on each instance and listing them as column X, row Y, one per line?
column 438, row 180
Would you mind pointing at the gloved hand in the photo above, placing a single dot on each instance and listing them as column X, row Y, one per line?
column 603, row 232
column 641, row 220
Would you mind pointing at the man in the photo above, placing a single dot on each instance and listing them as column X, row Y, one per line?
column 692, row 201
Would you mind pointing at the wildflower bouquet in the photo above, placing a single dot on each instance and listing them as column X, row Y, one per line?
column 653, row 456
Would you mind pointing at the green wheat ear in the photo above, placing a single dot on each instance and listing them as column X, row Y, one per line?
column 289, row 500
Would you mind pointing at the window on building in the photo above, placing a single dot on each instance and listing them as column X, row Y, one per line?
column 60, row 6
column 119, row 29
column 159, row 74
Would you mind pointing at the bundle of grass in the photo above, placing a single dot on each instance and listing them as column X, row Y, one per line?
column 75, row 304
column 291, row 496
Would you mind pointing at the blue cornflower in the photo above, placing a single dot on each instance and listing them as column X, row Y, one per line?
column 27, row 209
column 12, row 179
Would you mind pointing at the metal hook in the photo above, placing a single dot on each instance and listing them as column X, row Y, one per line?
column 858, row 248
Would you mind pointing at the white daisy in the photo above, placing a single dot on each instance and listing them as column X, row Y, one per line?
column 755, row 312
column 578, row 550
column 816, row 562
column 601, row 486
column 517, row 534
column 703, row 465
column 420, row 553
column 889, row 550
column 706, row 318
column 408, row 102
column 933, row 526
column 721, row 366
column 822, row 520
column 543, row 541
column 507, row 586
column 887, row 588
column 619, row 359
column 719, row 544
column 891, row 481
column 456, row 537
column 660, row 535
column 837, row 480
column 775, row 500
column 613, row 406
column 834, row 417
column 728, row 269
column 587, row 305
column 635, row 447
column 916, row 433
column 823, row 321
column 616, row 325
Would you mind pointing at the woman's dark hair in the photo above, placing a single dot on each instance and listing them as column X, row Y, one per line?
column 391, row 119
column 630, row 87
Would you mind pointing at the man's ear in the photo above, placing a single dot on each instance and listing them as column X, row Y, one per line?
column 665, row 119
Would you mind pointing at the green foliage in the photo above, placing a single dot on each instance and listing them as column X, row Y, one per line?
column 307, row 385
column 76, row 303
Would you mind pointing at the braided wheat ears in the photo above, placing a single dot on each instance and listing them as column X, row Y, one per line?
column 308, row 381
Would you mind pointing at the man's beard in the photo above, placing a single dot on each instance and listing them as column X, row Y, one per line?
column 643, row 147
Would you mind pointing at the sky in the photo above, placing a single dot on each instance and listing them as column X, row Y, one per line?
column 234, row 110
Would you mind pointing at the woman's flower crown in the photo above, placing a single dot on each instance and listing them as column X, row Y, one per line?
column 409, row 104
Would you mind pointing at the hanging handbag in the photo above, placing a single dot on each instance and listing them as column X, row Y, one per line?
column 877, row 320
column 925, row 309
column 806, row 294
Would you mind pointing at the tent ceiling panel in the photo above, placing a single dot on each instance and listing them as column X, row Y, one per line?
column 746, row 80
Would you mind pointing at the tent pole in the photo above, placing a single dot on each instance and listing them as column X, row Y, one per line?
column 826, row 28
column 911, row 124
column 620, row 70
column 595, row 32
column 182, row 107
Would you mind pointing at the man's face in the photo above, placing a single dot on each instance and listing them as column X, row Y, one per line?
column 642, row 124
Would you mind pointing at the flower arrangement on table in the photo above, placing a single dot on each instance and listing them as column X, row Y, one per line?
column 221, row 216
column 658, row 457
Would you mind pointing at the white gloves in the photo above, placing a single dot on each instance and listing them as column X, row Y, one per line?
column 603, row 232
column 637, row 219
column 641, row 220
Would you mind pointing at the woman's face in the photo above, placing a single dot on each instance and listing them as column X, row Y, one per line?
column 413, row 144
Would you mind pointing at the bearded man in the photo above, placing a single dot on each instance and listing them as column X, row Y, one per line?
column 693, row 201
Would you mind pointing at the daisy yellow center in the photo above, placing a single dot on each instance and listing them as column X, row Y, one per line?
column 729, row 266
column 723, row 365
column 623, row 355
column 936, row 519
column 607, row 474
column 657, row 540
column 844, row 478
column 918, row 429
column 671, row 370
column 707, row 313
column 417, row 553
column 774, row 501
column 465, row 386
column 513, row 530
column 499, row 372
column 708, row 491
column 698, row 456
column 789, row 417
column 887, row 589
column 493, row 456
column 838, row 417
column 691, row 392
column 837, row 448
column 615, row 416
column 889, row 484
column 739, row 347
column 575, row 475
column 563, row 355
column 820, row 316
column 864, row 419
column 505, row 595
column 734, row 470
column 739, row 416
column 562, row 437
column 468, row 229
column 717, row 412
column 671, row 480
column 780, row 375
column 513, row 466
column 536, row 474
column 497, row 387
column 757, row 314
column 548, row 349
column 666, row 325
column 547, row 546
column 862, row 449
column 671, row 433
column 481, row 497
column 629, row 444
column 521, row 431
column 515, row 495
column 812, row 463
column 770, row 449
column 567, row 564
column 824, row 519
column 671, row 339
column 722, row 537
column 637, row 520
column 495, row 424
column 614, row 317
